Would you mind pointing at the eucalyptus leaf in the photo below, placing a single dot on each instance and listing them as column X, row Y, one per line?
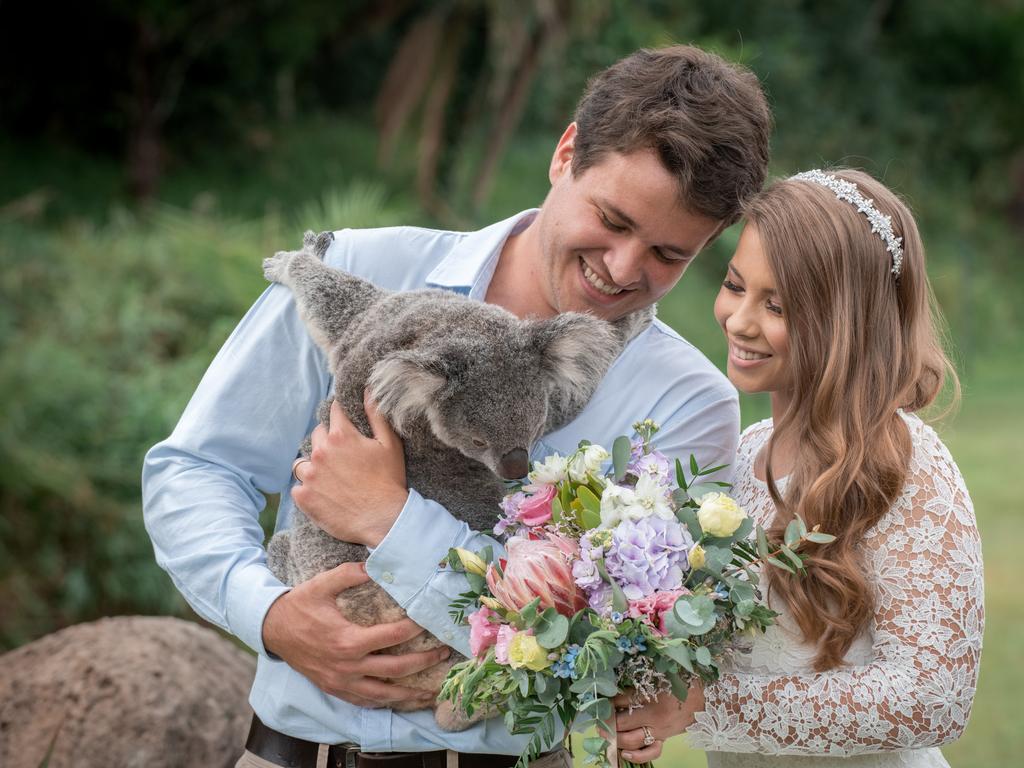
column 802, row 524
column 679, row 688
column 703, row 656
column 792, row 534
column 552, row 630
column 688, row 517
column 476, row 581
column 762, row 543
column 779, row 564
column 622, row 449
column 716, row 558
column 820, row 538
column 697, row 612
column 793, row 557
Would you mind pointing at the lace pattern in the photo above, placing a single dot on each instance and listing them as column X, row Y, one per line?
column 909, row 680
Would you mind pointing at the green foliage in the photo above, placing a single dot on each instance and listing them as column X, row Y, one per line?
column 106, row 330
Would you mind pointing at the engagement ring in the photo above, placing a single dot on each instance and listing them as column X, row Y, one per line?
column 648, row 736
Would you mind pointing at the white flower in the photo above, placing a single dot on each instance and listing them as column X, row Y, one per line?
column 550, row 472
column 649, row 498
column 613, row 501
column 587, row 461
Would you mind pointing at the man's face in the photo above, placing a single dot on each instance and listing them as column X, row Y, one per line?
column 615, row 238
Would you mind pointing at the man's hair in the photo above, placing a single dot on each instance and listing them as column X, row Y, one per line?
column 707, row 120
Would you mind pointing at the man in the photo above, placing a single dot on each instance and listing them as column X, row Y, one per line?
column 665, row 146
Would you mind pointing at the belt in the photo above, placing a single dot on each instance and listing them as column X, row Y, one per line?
column 290, row 752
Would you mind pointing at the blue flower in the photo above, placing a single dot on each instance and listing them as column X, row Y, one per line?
column 624, row 644
column 640, row 643
column 617, row 617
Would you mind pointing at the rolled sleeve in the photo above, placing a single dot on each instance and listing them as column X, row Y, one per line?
column 407, row 564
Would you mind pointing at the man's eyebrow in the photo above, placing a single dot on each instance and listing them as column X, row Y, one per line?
column 621, row 215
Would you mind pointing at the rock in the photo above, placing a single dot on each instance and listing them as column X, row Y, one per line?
column 151, row 692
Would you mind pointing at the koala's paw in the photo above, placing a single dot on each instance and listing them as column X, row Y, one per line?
column 451, row 719
column 275, row 269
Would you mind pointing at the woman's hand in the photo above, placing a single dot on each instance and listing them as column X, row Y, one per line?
column 353, row 486
column 664, row 717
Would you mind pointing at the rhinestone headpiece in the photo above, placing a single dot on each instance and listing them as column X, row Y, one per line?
column 880, row 223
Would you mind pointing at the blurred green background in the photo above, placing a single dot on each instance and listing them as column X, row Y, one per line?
column 152, row 153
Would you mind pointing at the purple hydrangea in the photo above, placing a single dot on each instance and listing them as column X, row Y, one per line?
column 648, row 555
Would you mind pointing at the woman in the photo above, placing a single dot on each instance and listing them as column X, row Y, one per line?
column 826, row 306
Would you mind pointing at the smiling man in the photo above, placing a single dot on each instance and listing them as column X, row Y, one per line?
column 665, row 146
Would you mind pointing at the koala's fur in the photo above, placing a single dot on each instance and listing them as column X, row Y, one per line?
column 445, row 371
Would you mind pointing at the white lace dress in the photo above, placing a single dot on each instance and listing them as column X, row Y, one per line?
column 908, row 681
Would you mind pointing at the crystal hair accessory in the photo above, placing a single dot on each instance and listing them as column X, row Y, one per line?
column 880, row 223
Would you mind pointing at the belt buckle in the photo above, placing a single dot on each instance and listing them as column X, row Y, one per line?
column 351, row 751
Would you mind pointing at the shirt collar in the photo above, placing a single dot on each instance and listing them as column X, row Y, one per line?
column 470, row 265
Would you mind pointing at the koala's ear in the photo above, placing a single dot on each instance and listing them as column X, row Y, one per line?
column 404, row 385
column 576, row 351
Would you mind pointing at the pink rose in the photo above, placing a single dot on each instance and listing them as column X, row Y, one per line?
column 652, row 609
column 505, row 634
column 483, row 633
column 536, row 508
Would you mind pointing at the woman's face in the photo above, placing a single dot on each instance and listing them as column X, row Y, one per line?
column 749, row 311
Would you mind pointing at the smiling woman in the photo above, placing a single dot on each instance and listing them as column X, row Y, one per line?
column 826, row 306
column 749, row 310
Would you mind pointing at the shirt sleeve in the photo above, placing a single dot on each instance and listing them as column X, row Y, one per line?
column 407, row 564
column 203, row 486
column 924, row 562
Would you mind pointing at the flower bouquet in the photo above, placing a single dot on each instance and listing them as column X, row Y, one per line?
column 640, row 578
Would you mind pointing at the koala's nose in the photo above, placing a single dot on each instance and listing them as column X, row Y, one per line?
column 514, row 464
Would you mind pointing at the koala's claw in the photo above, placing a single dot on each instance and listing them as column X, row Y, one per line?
column 276, row 267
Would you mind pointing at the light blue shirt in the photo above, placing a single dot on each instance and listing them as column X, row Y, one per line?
column 203, row 486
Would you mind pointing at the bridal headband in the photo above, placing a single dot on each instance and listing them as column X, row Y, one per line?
column 880, row 223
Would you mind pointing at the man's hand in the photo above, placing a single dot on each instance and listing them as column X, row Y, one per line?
column 664, row 717
column 305, row 628
column 353, row 486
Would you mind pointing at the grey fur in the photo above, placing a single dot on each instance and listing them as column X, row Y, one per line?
column 445, row 371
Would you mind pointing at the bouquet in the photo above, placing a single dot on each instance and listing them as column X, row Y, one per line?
column 640, row 578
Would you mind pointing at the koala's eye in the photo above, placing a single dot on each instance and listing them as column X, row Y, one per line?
column 479, row 443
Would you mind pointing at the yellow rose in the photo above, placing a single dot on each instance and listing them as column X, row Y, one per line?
column 696, row 557
column 471, row 562
column 525, row 651
column 719, row 515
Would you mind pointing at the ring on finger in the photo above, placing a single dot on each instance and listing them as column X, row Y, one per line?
column 295, row 466
column 648, row 736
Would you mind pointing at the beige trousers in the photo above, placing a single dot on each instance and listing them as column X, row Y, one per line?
column 559, row 759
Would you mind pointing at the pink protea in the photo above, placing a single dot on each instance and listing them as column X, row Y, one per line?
column 538, row 567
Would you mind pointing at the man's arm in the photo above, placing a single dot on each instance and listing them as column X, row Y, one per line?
column 202, row 497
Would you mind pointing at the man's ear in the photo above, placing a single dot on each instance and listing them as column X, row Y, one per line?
column 404, row 385
column 561, row 160
column 576, row 351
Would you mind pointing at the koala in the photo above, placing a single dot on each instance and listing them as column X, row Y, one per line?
column 467, row 385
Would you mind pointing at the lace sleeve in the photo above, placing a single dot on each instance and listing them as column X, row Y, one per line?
column 916, row 691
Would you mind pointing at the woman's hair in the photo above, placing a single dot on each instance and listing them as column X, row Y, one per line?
column 862, row 344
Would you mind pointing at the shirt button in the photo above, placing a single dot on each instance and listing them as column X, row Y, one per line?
column 387, row 577
column 446, row 636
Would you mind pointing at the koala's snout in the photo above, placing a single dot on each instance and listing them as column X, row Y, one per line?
column 514, row 464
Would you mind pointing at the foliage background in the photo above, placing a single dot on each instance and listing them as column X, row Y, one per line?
column 152, row 152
